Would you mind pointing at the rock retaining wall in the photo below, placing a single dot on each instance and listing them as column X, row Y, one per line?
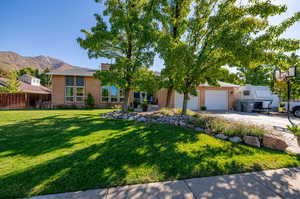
column 268, row 140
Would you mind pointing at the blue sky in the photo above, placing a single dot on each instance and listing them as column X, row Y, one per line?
column 50, row 28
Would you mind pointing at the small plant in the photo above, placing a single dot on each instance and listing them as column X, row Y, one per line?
column 144, row 105
column 203, row 108
column 295, row 129
column 90, row 102
column 175, row 111
column 116, row 106
column 235, row 128
column 66, row 106
column 197, row 123
column 282, row 108
column 166, row 111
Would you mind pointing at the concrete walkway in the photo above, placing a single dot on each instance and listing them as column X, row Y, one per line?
column 271, row 184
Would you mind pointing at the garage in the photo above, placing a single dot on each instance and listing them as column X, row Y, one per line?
column 216, row 99
column 193, row 102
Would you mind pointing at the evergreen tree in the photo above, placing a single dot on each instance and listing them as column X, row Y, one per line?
column 12, row 85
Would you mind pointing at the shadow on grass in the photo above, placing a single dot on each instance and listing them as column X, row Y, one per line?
column 38, row 136
column 132, row 153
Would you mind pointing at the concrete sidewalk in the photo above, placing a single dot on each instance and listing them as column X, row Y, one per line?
column 271, row 184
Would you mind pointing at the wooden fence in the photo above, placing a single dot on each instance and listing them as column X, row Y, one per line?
column 24, row 100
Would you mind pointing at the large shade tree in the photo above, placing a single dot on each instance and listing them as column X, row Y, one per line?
column 122, row 34
column 12, row 85
column 214, row 33
column 171, row 17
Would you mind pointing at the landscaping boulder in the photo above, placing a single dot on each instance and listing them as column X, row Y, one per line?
column 199, row 129
column 131, row 118
column 221, row 136
column 208, row 131
column 182, row 123
column 235, row 139
column 274, row 142
column 251, row 140
column 142, row 119
column 190, row 126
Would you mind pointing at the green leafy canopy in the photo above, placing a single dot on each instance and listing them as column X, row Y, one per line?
column 197, row 38
column 123, row 33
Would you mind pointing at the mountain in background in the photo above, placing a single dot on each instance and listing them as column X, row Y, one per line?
column 10, row 61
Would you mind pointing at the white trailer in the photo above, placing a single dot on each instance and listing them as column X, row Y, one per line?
column 256, row 98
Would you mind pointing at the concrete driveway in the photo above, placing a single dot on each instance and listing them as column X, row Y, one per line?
column 278, row 122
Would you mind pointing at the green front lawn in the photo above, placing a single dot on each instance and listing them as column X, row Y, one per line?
column 56, row 151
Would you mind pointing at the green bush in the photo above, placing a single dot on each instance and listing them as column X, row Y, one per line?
column 236, row 128
column 295, row 129
column 90, row 102
column 66, row 106
column 197, row 123
column 175, row 111
column 219, row 125
column 203, row 108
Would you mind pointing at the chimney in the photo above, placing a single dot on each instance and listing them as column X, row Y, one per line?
column 104, row 66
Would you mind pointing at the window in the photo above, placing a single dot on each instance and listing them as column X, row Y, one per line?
column 121, row 95
column 105, row 93
column 69, row 94
column 112, row 94
column 79, row 94
column 246, row 93
column 79, row 81
column 74, row 89
column 69, row 81
column 140, row 97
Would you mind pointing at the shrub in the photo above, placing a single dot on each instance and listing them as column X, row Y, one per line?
column 66, row 106
column 295, row 129
column 219, row 125
column 116, row 106
column 144, row 105
column 203, row 108
column 175, row 111
column 197, row 122
column 229, row 128
column 90, row 102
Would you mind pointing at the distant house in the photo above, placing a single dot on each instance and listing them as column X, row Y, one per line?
column 70, row 87
column 28, row 84
column 30, row 80
column 32, row 94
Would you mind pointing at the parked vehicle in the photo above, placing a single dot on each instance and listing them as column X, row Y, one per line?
column 294, row 108
column 256, row 99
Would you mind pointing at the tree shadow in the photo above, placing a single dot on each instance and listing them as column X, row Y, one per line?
column 130, row 153
column 282, row 183
column 38, row 136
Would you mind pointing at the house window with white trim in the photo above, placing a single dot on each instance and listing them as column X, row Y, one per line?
column 74, row 89
column 112, row 94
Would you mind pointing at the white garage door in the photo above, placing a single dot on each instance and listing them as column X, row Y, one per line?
column 193, row 103
column 216, row 99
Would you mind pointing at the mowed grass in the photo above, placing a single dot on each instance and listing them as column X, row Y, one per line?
column 55, row 151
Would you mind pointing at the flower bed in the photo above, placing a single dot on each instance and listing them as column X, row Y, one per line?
column 237, row 132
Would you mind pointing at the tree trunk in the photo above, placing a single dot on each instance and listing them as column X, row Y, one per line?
column 126, row 103
column 168, row 100
column 185, row 101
